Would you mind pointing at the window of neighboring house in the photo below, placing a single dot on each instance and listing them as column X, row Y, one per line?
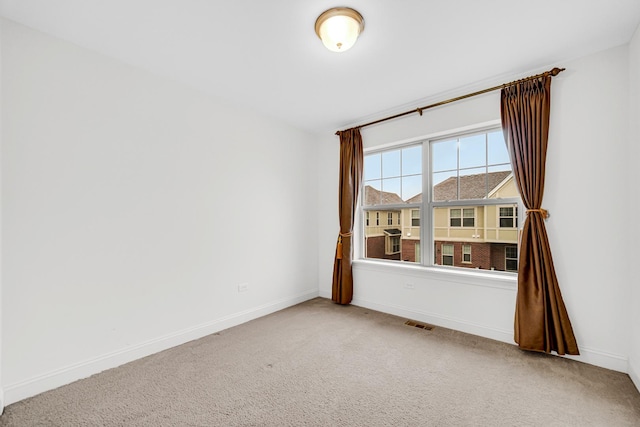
column 367, row 221
column 462, row 217
column 447, row 254
column 392, row 182
column 392, row 241
column 466, row 254
column 508, row 217
column 395, row 244
column 470, row 197
column 511, row 258
column 468, row 217
column 415, row 218
column 455, row 217
column 377, row 218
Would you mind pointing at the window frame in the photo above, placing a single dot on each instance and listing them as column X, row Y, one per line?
column 452, row 255
column 508, row 258
column 513, row 216
column 427, row 235
column 414, row 218
column 464, row 246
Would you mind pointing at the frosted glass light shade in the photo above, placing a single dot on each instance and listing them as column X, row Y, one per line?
column 339, row 28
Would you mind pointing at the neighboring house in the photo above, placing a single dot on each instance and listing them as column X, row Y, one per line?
column 480, row 236
column 383, row 234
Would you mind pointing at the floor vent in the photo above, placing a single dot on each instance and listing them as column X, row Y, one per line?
column 419, row 325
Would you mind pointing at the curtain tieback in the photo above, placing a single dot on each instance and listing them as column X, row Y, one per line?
column 339, row 249
column 544, row 212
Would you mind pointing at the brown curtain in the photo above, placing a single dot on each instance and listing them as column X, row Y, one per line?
column 541, row 321
column 351, row 162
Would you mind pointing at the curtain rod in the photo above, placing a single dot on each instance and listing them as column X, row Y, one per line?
column 553, row 72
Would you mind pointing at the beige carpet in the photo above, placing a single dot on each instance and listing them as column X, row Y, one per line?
column 320, row 364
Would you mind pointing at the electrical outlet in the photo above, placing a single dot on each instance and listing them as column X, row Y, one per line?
column 243, row 287
column 409, row 286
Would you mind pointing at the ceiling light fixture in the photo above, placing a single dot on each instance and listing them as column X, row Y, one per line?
column 339, row 28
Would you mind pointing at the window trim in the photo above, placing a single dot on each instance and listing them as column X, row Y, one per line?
column 506, row 258
column 426, row 263
column 418, row 217
column 453, row 254
column 513, row 216
column 465, row 245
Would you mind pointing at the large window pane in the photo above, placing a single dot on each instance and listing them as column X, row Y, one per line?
column 393, row 232
column 473, row 168
column 471, row 205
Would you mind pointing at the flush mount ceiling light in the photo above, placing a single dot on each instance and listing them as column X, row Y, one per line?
column 339, row 28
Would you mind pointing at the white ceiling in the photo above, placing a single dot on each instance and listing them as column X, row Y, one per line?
column 264, row 54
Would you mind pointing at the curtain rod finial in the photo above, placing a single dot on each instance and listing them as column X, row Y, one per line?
column 556, row 71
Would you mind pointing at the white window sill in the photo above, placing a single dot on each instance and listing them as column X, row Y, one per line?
column 488, row 278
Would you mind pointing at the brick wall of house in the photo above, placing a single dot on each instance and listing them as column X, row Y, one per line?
column 497, row 256
column 375, row 249
column 480, row 254
column 409, row 250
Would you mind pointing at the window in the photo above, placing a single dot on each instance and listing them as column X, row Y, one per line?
column 392, row 241
column 508, row 217
column 367, row 221
column 511, row 258
column 393, row 184
column 466, row 254
column 455, row 217
column 447, row 254
column 462, row 217
column 395, row 244
column 468, row 217
column 377, row 218
column 458, row 192
column 415, row 218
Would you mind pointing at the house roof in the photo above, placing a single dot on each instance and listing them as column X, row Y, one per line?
column 373, row 196
column 415, row 199
column 471, row 186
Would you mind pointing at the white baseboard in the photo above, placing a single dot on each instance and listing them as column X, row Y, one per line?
column 634, row 373
column 439, row 320
column 48, row 381
column 1, row 401
column 601, row 358
column 587, row 355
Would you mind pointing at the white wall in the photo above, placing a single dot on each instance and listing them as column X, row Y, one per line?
column 589, row 130
column 633, row 193
column 133, row 207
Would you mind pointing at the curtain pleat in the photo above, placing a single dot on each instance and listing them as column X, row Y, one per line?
column 541, row 319
column 351, row 165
